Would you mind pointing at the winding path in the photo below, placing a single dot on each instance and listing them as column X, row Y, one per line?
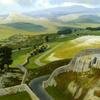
column 36, row 86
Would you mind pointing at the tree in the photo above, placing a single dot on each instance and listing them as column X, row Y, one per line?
column 65, row 31
column 19, row 48
column 5, row 57
column 46, row 39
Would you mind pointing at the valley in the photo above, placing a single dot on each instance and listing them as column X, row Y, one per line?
column 49, row 51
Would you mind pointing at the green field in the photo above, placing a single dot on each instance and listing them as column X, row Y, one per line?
column 32, row 64
column 17, row 96
column 66, row 50
column 69, row 49
column 57, row 94
column 8, row 30
column 20, row 56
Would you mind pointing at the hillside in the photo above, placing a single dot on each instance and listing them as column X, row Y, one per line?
column 87, row 19
column 60, row 11
column 16, row 23
column 79, row 80
column 77, row 44
column 26, row 27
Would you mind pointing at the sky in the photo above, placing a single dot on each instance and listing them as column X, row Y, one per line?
column 9, row 6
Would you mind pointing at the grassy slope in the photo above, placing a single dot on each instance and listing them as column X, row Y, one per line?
column 18, row 96
column 26, row 27
column 56, row 42
column 20, row 56
column 6, row 32
column 83, row 80
column 52, row 27
column 66, row 50
column 32, row 65
column 69, row 49
column 46, row 69
column 56, row 93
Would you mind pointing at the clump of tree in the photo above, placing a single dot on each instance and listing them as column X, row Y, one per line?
column 42, row 47
column 5, row 57
column 46, row 39
column 67, row 30
column 93, row 29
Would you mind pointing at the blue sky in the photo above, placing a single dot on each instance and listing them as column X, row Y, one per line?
column 8, row 6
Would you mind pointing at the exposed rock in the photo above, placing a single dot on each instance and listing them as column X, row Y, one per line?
column 82, row 62
column 86, row 84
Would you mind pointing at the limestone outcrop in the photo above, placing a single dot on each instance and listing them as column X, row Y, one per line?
column 82, row 62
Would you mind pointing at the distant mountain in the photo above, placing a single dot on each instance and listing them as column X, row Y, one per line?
column 20, row 23
column 86, row 19
column 79, row 14
column 48, row 20
column 59, row 11
column 53, row 14
column 15, row 17
column 26, row 26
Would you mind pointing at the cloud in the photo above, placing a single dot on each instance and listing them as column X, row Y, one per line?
column 93, row 2
column 77, row 4
column 29, row 5
column 7, row 2
column 45, row 4
column 26, row 3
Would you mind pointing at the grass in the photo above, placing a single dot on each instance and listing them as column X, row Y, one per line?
column 26, row 27
column 31, row 64
column 6, row 32
column 52, row 45
column 86, row 81
column 60, row 92
column 57, row 94
column 69, row 49
column 46, row 69
column 17, row 96
column 64, row 41
column 19, row 56
column 66, row 50
column 56, row 42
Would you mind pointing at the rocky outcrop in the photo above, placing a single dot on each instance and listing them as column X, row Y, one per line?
column 82, row 62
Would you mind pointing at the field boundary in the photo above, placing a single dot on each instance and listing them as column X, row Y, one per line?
column 16, row 89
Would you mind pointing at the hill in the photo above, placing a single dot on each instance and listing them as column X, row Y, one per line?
column 79, row 80
column 60, row 11
column 78, row 44
column 26, row 27
column 48, row 20
column 86, row 19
